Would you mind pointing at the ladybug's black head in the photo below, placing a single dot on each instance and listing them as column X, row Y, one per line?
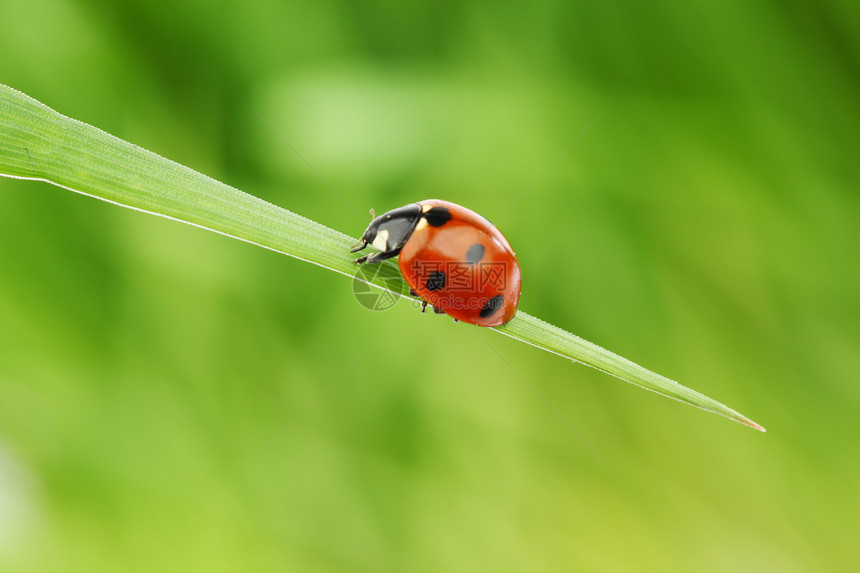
column 388, row 232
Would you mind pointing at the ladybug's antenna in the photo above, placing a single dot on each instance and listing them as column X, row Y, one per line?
column 372, row 214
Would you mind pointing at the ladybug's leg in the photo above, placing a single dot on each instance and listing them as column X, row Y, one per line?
column 360, row 245
column 412, row 292
column 377, row 257
column 423, row 306
column 438, row 311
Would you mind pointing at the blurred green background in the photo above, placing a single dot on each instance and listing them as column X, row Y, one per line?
column 151, row 373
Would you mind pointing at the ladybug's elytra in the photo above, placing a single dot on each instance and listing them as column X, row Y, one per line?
column 451, row 257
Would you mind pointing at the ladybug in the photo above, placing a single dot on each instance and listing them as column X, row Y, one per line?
column 451, row 257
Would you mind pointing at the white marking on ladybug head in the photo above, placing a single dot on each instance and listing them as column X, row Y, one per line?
column 380, row 243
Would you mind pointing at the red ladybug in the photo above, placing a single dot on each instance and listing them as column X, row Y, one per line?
column 453, row 258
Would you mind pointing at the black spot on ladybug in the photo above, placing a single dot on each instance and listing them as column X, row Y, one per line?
column 436, row 281
column 475, row 253
column 437, row 216
column 492, row 306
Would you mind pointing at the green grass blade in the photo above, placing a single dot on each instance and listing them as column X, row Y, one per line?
column 538, row 333
column 40, row 144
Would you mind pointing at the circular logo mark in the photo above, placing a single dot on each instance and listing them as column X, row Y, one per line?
column 373, row 297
